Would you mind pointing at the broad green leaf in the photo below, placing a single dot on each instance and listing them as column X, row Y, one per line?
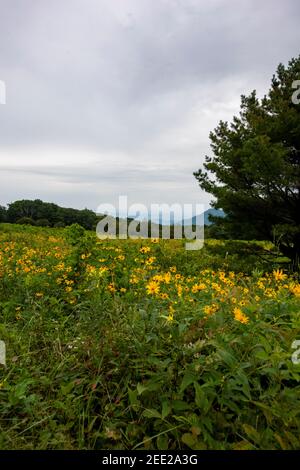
column 151, row 413
column 162, row 442
column 166, row 409
column 141, row 388
column 188, row 378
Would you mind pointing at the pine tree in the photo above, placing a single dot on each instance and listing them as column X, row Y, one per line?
column 254, row 173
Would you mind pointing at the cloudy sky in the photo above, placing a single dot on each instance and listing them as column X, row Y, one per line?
column 117, row 97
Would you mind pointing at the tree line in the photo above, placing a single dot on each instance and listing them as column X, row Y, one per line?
column 47, row 214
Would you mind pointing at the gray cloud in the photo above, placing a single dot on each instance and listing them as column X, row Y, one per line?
column 119, row 97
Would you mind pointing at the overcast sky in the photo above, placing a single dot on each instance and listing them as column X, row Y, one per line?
column 117, row 97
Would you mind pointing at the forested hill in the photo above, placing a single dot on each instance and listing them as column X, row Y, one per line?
column 48, row 214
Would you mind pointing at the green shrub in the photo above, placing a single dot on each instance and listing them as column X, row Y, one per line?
column 25, row 221
column 43, row 223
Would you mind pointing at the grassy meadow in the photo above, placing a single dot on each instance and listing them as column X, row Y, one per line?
column 140, row 344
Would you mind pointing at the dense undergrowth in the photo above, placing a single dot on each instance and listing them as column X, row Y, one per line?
column 140, row 344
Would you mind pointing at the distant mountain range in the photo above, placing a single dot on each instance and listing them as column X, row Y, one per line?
column 162, row 219
column 205, row 216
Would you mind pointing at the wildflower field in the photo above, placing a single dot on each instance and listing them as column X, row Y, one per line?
column 140, row 344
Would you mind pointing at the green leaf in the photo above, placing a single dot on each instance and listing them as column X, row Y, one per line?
column 201, row 398
column 283, row 444
column 179, row 405
column 243, row 445
column 188, row 378
column 162, row 442
column 262, row 354
column 152, row 413
column 166, row 409
column 132, row 395
column 227, row 358
column 189, row 439
column 252, row 433
column 66, row 389
column 141, row 388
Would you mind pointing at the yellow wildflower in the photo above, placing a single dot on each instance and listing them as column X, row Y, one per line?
column 179, row 291
column 170, row 317
column 133, row 279
column 153, row 287
column 144, row 249
column 278, row 275
column 111, row 287
column 103, row 269
column 295, row 289
column 164, row 296
column 240, row 316
column 210, row 309
column 198, row 287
